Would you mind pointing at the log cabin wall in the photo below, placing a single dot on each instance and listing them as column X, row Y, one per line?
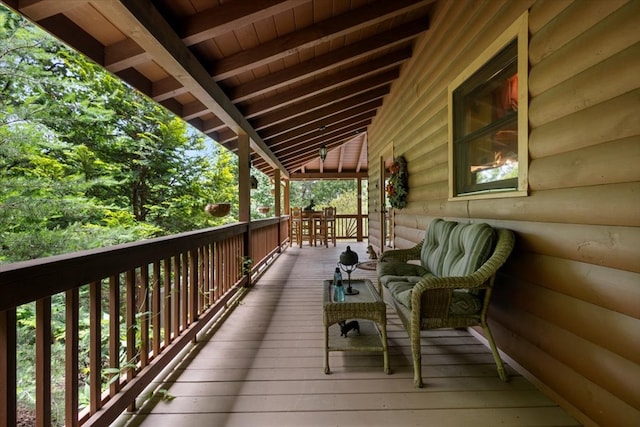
column 567, row 304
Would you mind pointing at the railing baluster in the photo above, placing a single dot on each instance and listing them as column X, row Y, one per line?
column 114, row 333
column 193, row 285
column 8, row 368
column 168, row 297
column 184, row 294
column 217, row 270
column 43, row 362
column 156, row 308
column 143, row 314
column 175, row 295
column 202, row 258
column 130, row 321
column 95, row 350
column 72, row 321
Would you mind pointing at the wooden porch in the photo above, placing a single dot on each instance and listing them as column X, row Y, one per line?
column 262, row 366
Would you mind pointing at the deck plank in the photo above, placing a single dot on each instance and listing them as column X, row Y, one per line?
column 264, row 366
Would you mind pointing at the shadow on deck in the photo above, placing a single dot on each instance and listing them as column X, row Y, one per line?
column 263, row 366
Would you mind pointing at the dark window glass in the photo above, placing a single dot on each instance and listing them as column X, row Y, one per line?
column 485, row 126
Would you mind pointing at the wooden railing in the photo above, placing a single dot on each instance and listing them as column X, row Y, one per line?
column 347, row 227
column 141, row 303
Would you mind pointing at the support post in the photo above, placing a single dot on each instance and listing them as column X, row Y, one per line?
column 359, row 222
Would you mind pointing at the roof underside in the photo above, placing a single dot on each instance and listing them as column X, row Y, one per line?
column 292, row 75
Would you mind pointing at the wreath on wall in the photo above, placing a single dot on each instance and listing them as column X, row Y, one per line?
column 398, row 185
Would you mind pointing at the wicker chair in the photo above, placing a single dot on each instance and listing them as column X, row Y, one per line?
column 451, row 288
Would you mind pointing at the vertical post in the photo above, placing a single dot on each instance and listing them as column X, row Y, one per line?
column 95, row 346
column 43, row 362
column 244, row 190
column 72, row 333
column 287, row 205
column 114, row 333
column 244, row 208
column 287, row 197
column 359, row 222
column 278, row 207
column 276, row 185
column 130, row 322
column 8, row 367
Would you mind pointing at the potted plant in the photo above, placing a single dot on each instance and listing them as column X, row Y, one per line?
column 218, row 209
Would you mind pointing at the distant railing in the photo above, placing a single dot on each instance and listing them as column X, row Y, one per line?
column 347, row 227
column 143, row 302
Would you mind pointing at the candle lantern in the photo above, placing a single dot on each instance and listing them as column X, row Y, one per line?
column 348, row 263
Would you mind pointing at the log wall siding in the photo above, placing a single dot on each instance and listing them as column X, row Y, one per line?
column 567, row 305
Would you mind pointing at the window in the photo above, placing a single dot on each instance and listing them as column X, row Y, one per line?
column 488, row 132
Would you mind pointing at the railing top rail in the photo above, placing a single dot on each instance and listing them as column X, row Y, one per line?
column 28, row 281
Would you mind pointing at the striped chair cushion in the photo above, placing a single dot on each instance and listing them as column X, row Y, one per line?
column 469, row 246
column 435, row 245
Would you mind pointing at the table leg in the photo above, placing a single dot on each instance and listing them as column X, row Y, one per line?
column 326, row 350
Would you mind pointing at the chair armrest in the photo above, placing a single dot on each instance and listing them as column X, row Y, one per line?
column 401, row 255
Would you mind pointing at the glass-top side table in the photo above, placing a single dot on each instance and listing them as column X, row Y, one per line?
column 367, row 304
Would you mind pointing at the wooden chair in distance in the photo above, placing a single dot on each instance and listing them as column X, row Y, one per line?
column 295, row 234
column 301, row 227
column 330, row 215
column 325, row 227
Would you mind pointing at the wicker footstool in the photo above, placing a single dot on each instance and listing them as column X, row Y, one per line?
column 367, row 304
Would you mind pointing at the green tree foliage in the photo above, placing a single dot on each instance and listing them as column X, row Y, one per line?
column 85, row 161
column 341, row 194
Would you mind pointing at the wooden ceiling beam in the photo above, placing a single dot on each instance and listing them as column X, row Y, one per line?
column 362, row 158
column 167, row 88
column 193, row 109
column 278, row 100
column 230, row 16
column 361, row 91
column 336, row 107
column 301, row 176
column 42, row 9
column 320, row 117
column 385, row 41
column 137, row 80
column 343, row 116
column 312, row 36
column 73, row 35
column 226, row 135
column 124, row 54
column 309, row 148
column 304, row 152
column 210, row 124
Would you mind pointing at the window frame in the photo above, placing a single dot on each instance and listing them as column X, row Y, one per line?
column 518, row 30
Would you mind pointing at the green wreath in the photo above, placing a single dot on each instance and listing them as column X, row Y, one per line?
column 398, row 185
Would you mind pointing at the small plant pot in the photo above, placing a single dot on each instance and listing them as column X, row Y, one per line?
column 218, row 209
column 264, row 209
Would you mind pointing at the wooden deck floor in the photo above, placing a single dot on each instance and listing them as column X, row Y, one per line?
column 264, row 367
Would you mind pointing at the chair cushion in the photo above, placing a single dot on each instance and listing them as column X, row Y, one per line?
column 434, row 247
column 469, row 246
column 464, row 303
column 394, row 271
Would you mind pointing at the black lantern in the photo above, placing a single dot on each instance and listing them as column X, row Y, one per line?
column 348, row 263
column 323, row 152
column 323, row 148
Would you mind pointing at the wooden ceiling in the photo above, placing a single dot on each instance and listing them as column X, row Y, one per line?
column 292, row 75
